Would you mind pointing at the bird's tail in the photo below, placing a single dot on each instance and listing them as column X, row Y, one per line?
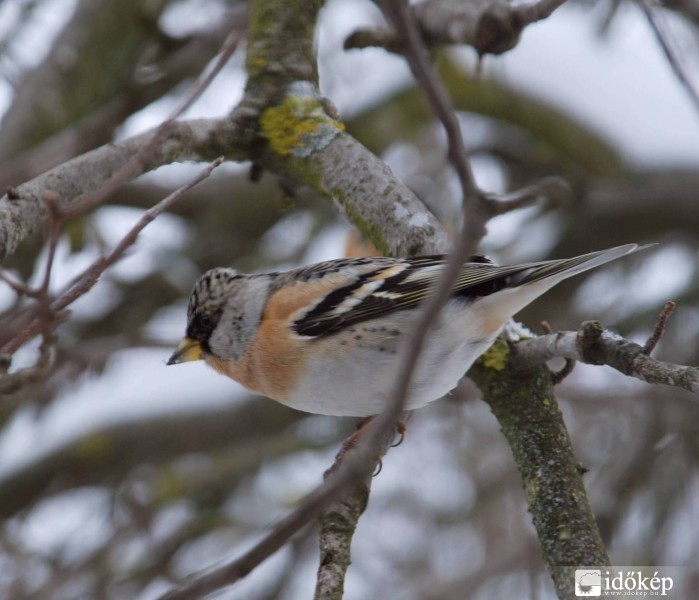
column 558, row 270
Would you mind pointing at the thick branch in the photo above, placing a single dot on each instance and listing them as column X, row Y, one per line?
column 97, row 128
column 337, row 526
column 595, row 346
column 23, row 209
column 522, row 399
column 86, row 68
column 489, row 26
column 365, row 189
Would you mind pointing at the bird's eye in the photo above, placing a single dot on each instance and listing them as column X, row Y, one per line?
column 205, row 321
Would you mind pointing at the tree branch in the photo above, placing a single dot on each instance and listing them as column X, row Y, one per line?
column 97, row 128
column 668, row 50
column 23, row 211
column 84, row 282
column 522, row 399
column 593, row 345
column 489, row 26
column 475, row 206
column 337, row 526
column 88, row 180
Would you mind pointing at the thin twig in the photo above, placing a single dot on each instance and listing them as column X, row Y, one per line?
column 89, row 277
column 527, row 196
column 55, row 226
column 19, row 287
column 558, row 376
column 591, row 344
column 135, row 164
column 59, row 215
column 659, row 328
column 670, row 54
column 525, row 14
column 476, row 208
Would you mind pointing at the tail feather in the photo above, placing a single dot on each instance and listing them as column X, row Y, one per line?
column 493, row 310
column 572, row 266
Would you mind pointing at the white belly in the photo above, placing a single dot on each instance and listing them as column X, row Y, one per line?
column 357, row 374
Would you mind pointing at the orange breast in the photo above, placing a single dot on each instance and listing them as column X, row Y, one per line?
column 274, row 359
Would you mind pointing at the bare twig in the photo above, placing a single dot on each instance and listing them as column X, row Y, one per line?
column 527, row 196
column 567, row 369
column 526, row 14
column 55, row 227
column 593, row 345
column 41, row 293
column 133, row 166
column 659, row 328
column 333, row 565
column 338, row 524
column 10, row 383
column 59, row 216
column 670, row 54
column 489, row 26
column 476, row 210
column 19, row 287
column 89, row 277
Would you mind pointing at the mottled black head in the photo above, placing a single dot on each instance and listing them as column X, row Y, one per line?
column 224, row 313
column 207, row 303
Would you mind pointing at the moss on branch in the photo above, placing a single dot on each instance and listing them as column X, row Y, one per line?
column 298, row 126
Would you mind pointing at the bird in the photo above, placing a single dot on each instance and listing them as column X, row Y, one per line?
column 328, row 338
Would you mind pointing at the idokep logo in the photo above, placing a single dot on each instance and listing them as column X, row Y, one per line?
column 588, row 582
column 636, row 582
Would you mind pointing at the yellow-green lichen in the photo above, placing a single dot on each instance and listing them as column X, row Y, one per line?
column 298, row 126
column 497, row 356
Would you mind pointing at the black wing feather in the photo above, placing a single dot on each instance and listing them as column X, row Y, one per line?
column 401, row 291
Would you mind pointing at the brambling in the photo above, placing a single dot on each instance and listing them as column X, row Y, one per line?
column 327, row 338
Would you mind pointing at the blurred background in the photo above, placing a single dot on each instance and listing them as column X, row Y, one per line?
column 119, row 475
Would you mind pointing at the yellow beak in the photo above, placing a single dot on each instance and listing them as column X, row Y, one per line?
column 188, row 349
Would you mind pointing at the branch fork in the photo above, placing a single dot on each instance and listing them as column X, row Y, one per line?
column 594, row 345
